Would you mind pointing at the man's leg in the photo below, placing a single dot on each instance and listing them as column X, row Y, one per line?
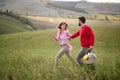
column 80, row 55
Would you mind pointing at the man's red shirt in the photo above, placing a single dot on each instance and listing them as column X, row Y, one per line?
column 86, row 36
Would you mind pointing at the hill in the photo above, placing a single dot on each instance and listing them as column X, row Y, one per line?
column 30, row 56
column 55, row 8
column 11, row 25
column 29, row 7
column 103, row 8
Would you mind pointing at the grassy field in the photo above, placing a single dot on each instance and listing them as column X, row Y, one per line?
column 11, row 25
column 30, row 56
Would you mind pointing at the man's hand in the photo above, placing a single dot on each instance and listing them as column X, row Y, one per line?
column 91, row 47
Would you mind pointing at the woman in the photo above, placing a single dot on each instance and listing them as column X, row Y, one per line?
column 62, row 37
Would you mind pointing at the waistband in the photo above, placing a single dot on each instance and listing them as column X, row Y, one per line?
column 63, row 45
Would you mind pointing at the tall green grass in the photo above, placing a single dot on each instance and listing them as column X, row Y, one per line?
column 30, row 56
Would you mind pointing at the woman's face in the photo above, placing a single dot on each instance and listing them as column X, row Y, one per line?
column 63, row 26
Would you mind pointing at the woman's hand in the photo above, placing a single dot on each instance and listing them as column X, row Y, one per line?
column 69, row 38
column 51, row 34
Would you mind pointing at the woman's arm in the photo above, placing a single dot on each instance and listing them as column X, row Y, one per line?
column 54, row 37
column 68, row 34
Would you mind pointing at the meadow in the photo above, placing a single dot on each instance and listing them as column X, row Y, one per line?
column 30, row 56
column 11, row 25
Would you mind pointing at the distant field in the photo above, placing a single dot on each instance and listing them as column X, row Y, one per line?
column 30, row 56
column 72, row 22
column 11, row 25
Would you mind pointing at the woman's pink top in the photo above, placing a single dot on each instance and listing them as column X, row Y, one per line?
column 63, row 38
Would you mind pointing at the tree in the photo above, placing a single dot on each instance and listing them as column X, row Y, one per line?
column 1, row 12
column 11, row 12
column 106, row 18
column 7, row 11
column 95, row 17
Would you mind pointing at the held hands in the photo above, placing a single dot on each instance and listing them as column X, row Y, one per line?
column 69, row 38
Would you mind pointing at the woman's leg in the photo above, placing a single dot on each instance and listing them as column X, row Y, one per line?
column 59, row 54
column 69, row 56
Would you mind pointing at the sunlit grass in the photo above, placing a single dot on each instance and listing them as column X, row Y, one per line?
column 30, row 56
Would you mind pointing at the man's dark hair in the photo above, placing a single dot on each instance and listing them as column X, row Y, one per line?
column 82, row 19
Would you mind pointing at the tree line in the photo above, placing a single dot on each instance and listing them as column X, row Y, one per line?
column 18, row 17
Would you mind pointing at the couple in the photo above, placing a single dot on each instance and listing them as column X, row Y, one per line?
column 63, row 36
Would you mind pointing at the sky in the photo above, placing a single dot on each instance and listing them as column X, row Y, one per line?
column 115, row 1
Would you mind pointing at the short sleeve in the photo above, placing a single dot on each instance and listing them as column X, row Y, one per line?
column 68, row 33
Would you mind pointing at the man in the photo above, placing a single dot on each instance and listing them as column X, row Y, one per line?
column 86, row 38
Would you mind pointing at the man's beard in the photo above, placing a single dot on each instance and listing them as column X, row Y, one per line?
column 79, row 24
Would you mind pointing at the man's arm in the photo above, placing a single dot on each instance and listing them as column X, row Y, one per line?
column 76, row 34
column 91, row 34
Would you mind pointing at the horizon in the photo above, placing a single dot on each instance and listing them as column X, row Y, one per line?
column 96, row 1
